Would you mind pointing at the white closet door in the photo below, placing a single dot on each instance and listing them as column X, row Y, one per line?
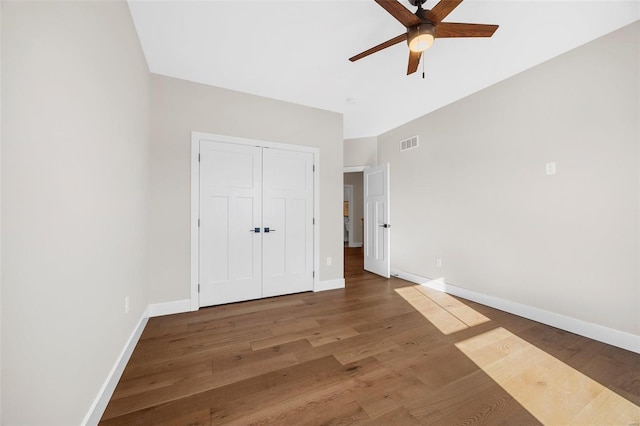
column 376, row 220
column 230, row 215
column 287, row 239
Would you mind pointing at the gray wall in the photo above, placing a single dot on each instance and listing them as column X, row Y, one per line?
column 361, row 152
column 180, row 107
column 476, row 194
column 75, row 141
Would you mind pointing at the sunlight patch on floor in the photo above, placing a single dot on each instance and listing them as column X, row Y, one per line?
column 448, row 314
column 549, row 389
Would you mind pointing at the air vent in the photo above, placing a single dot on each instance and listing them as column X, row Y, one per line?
column 409, row 143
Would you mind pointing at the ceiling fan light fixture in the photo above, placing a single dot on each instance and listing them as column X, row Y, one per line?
column 421, row 37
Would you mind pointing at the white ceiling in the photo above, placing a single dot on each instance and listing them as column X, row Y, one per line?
column 298, row 50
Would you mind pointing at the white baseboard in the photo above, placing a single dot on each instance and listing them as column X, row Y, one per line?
column 329, row 284
column 169, row 308
column 597, row 332
column 104, row 395
column 154, row 310
column 106, row 391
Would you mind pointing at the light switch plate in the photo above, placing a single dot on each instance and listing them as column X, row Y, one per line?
column 551, row 168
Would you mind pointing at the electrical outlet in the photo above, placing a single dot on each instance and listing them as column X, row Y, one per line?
column 438, row 262
column 328, row 261
column 126, row 305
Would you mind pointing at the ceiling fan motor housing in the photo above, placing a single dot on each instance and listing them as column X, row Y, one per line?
column 420, row 34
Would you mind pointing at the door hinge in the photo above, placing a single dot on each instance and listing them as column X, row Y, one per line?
column 198, row 222
column 198, row 287
column 198, row 158
column 313, row 221
column 313, row 274
column 314, row 167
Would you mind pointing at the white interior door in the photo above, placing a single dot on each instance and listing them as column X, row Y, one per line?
column 376, row 220
column 287, row 216
column 256, row 234
column 230, row 223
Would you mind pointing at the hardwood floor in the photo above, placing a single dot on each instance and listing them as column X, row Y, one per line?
column 370, row 354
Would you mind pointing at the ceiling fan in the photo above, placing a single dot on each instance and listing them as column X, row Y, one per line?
column 424, row 26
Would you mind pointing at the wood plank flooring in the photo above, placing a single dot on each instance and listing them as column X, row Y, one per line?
column 366, row 354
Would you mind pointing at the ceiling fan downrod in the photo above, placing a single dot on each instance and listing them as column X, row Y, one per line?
column 421, row 13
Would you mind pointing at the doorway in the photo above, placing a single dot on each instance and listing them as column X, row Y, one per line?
column 353, row 209
column 375, row 226
column 347, row 212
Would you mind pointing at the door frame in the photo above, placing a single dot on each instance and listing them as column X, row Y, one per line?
column 196, row 137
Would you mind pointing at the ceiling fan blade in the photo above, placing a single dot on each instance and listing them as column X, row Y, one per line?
column 414, row 60
column 442, row 9
column 399, row 12
column 452, row 29
column 395, row 40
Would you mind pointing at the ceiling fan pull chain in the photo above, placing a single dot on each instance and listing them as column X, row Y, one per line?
column 423, row 66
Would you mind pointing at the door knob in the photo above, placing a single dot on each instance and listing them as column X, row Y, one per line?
column 385, row 225
column 267, row 230
column 256, row 230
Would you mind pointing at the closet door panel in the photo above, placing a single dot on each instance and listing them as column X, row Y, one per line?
column 230, row 211
column 288, row 213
